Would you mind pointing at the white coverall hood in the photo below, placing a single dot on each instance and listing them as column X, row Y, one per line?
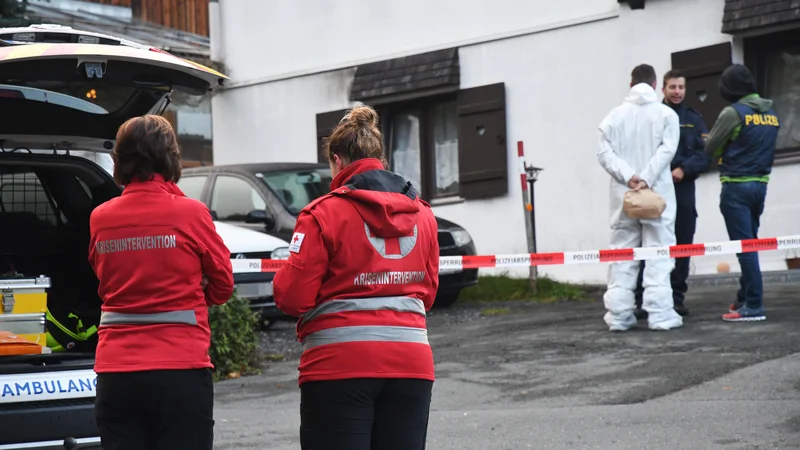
column 640, row 137
column 640, row 94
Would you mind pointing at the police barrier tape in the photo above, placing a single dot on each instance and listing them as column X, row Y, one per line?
column 79, row 384
column 454, row 263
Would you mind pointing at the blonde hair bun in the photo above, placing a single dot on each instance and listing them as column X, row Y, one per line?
column 362, row 116
column 356, row 136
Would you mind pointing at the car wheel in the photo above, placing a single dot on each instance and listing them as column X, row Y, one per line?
column 446, row 300
column 267, row 323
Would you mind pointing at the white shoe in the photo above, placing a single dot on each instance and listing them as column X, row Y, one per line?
column 617, row 323
column 667, row 324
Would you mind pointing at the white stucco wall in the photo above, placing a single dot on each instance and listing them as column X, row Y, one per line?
column 267, row 39
column 559, row 85
column 272, row 122
column 553, row 106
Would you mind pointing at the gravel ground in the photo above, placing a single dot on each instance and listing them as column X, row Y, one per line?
column 512, row 376
column 278, row 343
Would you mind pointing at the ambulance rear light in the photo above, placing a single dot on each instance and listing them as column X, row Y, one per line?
column 159, row 50
column 280, row 253
column 11, row 93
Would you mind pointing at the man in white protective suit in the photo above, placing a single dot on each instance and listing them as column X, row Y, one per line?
column 638, row 140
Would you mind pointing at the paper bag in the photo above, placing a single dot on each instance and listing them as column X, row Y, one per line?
column 643, row 204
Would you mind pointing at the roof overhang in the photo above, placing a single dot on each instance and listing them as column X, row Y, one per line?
column 408, row 77
column 751, row 16
column 634, row 4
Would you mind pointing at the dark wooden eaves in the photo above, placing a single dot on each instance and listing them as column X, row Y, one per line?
column 747, row 15
column 423, row 73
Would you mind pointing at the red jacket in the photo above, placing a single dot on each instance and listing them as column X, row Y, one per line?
column 362, row 272
column 150, row 248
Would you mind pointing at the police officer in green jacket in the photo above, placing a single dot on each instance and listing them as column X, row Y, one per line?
column 743, row 139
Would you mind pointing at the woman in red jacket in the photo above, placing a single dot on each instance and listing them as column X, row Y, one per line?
column 362, row 273
column 160, row 264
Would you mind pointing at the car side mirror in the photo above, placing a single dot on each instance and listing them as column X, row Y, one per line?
column 260, row 216
column 256, row 216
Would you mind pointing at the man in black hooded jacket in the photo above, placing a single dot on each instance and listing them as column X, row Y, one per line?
column 743, row 138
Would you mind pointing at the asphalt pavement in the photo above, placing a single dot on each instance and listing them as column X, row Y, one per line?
column 551, row 376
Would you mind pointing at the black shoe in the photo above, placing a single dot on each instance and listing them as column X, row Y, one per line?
column 640, row 314
column 682, row 310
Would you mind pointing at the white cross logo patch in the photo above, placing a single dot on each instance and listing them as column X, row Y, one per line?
column 296, row 242
column 392, row 248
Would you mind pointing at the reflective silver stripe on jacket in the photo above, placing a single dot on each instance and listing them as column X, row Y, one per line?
column 401, row 304
column 366, row 334
column 187, row 317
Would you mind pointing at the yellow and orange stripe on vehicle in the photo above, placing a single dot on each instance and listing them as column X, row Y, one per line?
column 197, row 65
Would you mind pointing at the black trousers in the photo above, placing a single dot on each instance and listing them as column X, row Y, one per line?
column 365, row 414
column 685, row 227
column 156, row 410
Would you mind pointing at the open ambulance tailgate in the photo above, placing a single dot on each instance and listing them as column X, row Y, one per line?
column 106, row 85
column 100, row 53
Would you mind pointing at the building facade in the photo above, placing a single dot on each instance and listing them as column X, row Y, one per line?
column 185, row 15
column 458, row 84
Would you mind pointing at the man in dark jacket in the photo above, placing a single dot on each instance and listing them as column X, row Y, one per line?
column 743, row 138
column 687, row 165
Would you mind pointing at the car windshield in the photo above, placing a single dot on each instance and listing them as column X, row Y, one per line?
column 297, row 188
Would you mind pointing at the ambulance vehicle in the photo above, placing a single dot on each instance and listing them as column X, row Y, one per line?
column 63, row 95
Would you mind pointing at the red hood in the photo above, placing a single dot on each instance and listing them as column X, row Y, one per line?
column 387, row 203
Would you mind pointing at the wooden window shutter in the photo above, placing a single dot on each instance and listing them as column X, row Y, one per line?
column 703, row 68
column 326, row 122
column 482, row 152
